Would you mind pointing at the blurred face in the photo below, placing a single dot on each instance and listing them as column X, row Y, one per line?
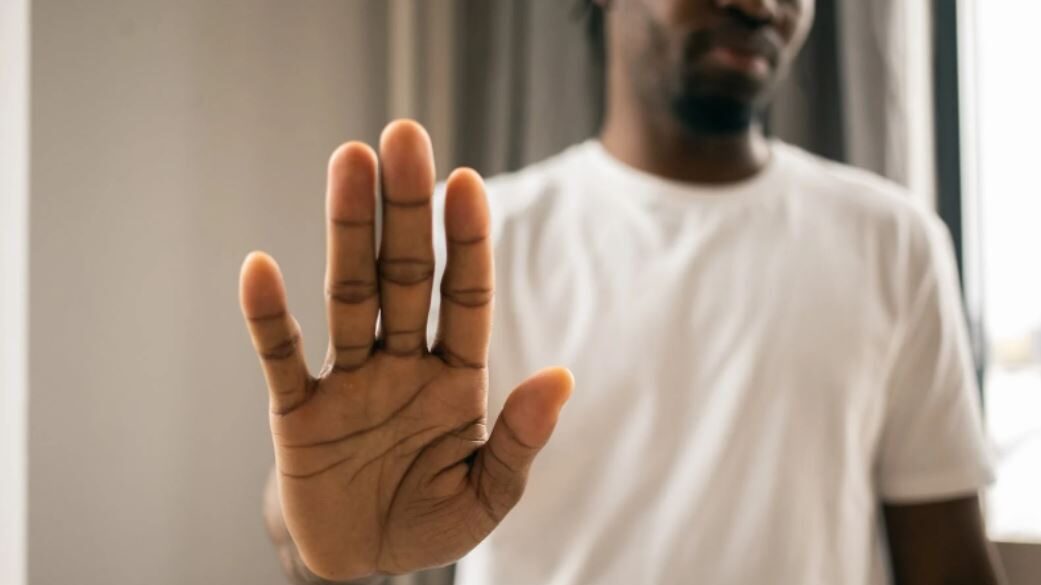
column 712, row 64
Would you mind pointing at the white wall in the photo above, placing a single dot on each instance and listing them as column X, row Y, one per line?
column 169, row 139
column 14, row 199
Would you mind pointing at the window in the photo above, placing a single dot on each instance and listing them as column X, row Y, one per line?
column 1003, row 134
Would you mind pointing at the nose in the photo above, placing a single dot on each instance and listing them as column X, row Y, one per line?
column 757, row 10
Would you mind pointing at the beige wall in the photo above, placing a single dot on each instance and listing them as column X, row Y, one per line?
column 168, row 139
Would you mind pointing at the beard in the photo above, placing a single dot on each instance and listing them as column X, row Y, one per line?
column 707, row 101
column 669, row 76
column 713, row 115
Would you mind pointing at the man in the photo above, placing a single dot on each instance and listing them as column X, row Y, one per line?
column 773, row 384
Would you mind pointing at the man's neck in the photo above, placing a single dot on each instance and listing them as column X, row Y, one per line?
column 664, row 148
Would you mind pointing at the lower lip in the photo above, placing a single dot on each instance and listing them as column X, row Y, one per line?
column 744, row 62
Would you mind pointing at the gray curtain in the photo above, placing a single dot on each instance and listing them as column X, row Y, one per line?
column 524, row 84
column 861, row 91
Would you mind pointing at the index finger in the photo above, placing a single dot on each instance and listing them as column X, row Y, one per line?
column 465, row 322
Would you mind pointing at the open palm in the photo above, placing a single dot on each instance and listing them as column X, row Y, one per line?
column 385, row 463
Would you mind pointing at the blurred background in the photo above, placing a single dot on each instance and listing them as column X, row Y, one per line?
column 147, row 146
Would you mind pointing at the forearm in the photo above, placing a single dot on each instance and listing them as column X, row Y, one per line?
column 288, row 555
column 941, row 543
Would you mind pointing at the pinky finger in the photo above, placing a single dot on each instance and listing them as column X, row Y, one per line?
column 275, row 333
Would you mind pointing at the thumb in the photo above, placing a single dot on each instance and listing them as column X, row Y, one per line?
column 524, row 427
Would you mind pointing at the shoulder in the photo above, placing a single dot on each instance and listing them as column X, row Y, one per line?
column 851, row 188
column 880, row 225
column 538, row 191
column 525, row 204
column 528, row 195
column 863, row 203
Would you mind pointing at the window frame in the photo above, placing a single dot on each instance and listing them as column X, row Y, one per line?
column 957, row 203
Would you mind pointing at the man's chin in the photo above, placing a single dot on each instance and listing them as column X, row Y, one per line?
column 714, row 114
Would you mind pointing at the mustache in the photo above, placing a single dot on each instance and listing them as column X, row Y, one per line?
column 763, row 41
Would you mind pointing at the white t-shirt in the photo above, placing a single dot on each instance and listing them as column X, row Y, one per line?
column 757, row 366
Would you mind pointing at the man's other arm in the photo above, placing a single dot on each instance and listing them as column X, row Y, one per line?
column 941, row 543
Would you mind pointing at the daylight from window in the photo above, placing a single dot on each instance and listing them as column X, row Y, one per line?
column 1008, row 155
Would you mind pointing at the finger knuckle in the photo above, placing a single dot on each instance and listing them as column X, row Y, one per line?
column 282, row 350
column 468, row 297
column 406, row 271
column 351, row 292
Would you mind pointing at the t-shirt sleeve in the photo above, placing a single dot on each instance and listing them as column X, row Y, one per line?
column 932, row 445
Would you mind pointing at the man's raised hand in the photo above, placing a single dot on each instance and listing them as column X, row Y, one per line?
column 384, row 460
